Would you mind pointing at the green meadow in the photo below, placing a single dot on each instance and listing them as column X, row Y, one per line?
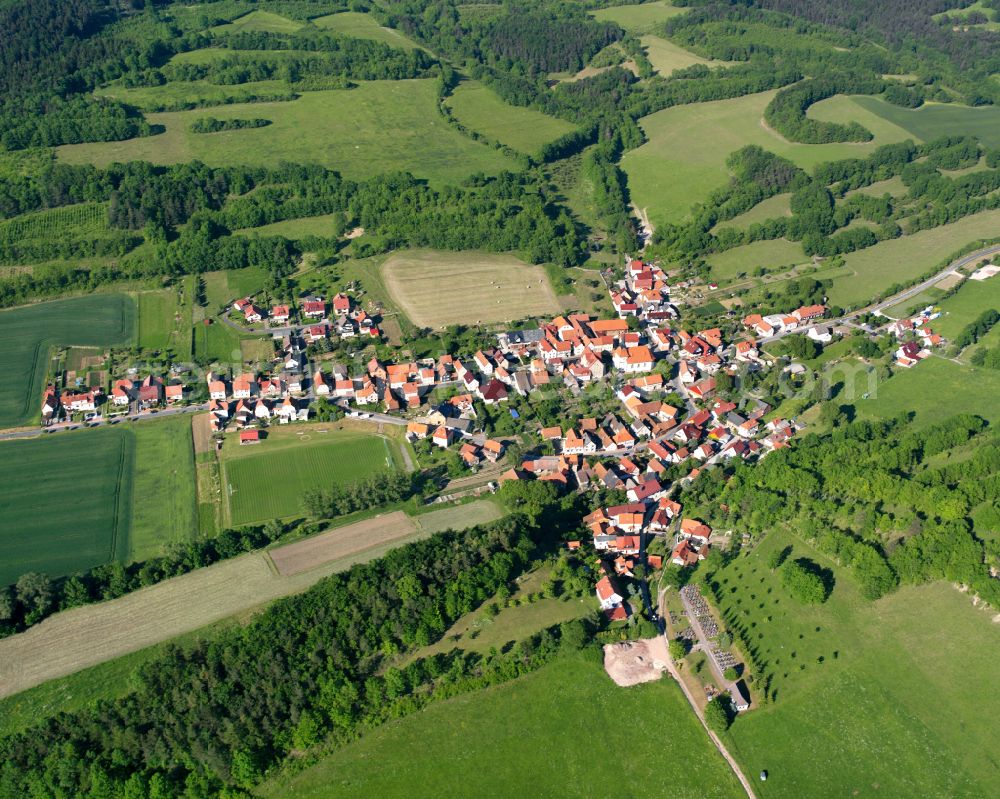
column 933, row 120
column 730, row 264
column 665, row 56
column 862, row 687
column 259, row 22
column 530, row 737
column 962, row 307
column 638, row 18
column 362, row 26
column 28, row 332
column 379, row 126
column 684, row 157
column 479, row 108
column 323, row 226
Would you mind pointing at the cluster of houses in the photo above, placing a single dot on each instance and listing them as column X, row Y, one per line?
column 249, row 400
column 149, row 392
column 345, row 320
column 915, row 337
column 773, row 324
column 442, row 435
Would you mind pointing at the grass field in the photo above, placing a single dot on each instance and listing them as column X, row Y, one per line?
column 727, row 265
column 935, row 389
column 194, row 93
column 217, row 343
column 259, row 22
column 165, row 320
column 362, row 26
column 771, row 208
column 966, row 304
column 528, row 738
column 82, row 220
column 436, row 289
column 685, row 156
column 459, row 517
column 28, row 332
column 295, row 229
column 66, row 501
column 869, row 713
column 380, row 126
column 164, row 507
column 524, row 129
column 934, row 119
column 638, row 18
column 873, row 270
column 665, row 56
column 267, row 480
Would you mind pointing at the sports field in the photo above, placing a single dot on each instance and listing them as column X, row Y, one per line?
column 873, row 270
column 862, row 686
column 266, row 480
column 638, row 18
column 436, row 289
column 66, row 502
column 164, row 509
column 362, row 26
column 933, row 120
column 27, row 333
column 684, row 157
column 524, row 129
column 530, row 737
column 379, row 126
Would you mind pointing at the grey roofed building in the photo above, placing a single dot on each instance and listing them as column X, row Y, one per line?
column 738, row 693
column 463, row 426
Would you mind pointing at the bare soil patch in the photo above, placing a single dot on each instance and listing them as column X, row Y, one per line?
column 201, row 432
column 634, row 662
column 342, row 542
column 949, row 282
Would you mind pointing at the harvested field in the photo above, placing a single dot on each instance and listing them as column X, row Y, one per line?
column 635, row 662
column 436, row 289
column 86, row 636
column 201, row 430
column 334, row 544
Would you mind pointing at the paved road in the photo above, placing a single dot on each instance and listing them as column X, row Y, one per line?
column 672, row 668
column 103, row 421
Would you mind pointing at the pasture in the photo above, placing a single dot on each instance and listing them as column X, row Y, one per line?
column 459, row 517
column 28, row 332
column 181, row 94
column 259, row 22
column 933, row 120
column 266, row 480
column 771, row 208
column 363, row 26
column 638, row 18
column 164, row 509
column 217, row 343
column 326, row 226
column 436, row 289
column 665, row 56
column 873, row 270
column 966, row 304
column 935, row 389
column 860, row 686
column 479, row 108
column 525, row 737
column 684, row 157
column 377, row 127
column 66, row 502
column 771, row 255
column 165, row 319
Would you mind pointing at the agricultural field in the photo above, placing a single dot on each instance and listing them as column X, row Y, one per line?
column 730, row 264
column 680, row 165
column 326, row 226
column 164, row 509
column 488, row 744
column 436, row 289
column 665, row 56
column 480, row 109
column 377, row 127
column 27, row 334
column 72, row 497
column 363, row 26
column 860, row 686
column 638, row 18
column 871, row 271
column 266, row 480
column 82, row 221
column 933, row 120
